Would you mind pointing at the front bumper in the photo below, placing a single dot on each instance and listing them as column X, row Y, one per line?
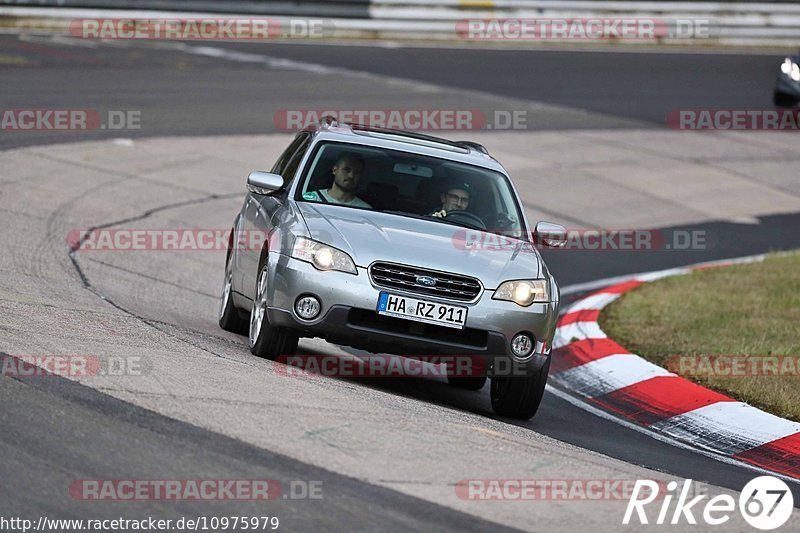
column 348, row 317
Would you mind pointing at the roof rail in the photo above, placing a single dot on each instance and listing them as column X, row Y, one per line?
column 420, row 138
column 329, row 121
column 475, row 146
column 403, row 133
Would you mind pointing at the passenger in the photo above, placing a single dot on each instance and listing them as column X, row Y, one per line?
column 454, row 198
column 347, row 172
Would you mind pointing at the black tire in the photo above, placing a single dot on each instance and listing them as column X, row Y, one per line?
column 471, row 383
column 783, row 100
column 229, row 317
column 519, row 397
column 274, row 342
column 270, row 341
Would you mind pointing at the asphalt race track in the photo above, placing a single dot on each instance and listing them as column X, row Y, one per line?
column 388, row 453
column 194, row 94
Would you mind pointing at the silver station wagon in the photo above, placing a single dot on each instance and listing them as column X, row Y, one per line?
column 396, row 243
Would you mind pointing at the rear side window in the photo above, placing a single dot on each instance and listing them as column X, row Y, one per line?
column 291, row 167
column 282, row 164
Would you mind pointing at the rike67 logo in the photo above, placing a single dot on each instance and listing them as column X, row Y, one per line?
column 766, row 503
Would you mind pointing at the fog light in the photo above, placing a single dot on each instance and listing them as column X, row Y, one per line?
column 307, row 307
column 522, row 345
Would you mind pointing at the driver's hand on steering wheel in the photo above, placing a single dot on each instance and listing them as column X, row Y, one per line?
column 439, row 214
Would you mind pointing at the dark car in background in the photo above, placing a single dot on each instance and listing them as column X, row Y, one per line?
column 787, row 83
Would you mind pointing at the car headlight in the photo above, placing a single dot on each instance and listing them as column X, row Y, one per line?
column 322, row 256
column 523, row 292
column 791, row 69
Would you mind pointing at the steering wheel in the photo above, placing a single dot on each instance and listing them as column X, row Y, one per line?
column 465, row 217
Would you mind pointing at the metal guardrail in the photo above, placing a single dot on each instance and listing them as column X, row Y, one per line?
column 621, row 5
column 734, row 22
column 297, row 8
column 775, row 22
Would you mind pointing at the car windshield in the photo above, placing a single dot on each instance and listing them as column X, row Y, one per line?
column 413, row 185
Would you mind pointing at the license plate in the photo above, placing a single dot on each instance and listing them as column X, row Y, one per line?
column 450, row 316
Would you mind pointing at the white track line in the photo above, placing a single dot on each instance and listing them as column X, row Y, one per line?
column 580, row 404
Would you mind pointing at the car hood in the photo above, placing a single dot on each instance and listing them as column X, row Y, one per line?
column 375, row 236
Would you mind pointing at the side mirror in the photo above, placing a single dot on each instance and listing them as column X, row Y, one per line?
column 549, row 234
column 259, row 182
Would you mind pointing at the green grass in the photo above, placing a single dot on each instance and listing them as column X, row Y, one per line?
column 745, row 310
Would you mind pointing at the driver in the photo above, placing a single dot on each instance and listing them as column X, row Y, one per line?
column 454, row 198
column 347, row 172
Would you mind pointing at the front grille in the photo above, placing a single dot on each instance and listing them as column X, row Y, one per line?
column 450, row 286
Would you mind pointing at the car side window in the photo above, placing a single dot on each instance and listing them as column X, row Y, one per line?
column 286, row 157
column 291, row 167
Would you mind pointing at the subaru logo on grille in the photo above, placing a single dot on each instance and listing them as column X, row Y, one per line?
column 425, row 281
